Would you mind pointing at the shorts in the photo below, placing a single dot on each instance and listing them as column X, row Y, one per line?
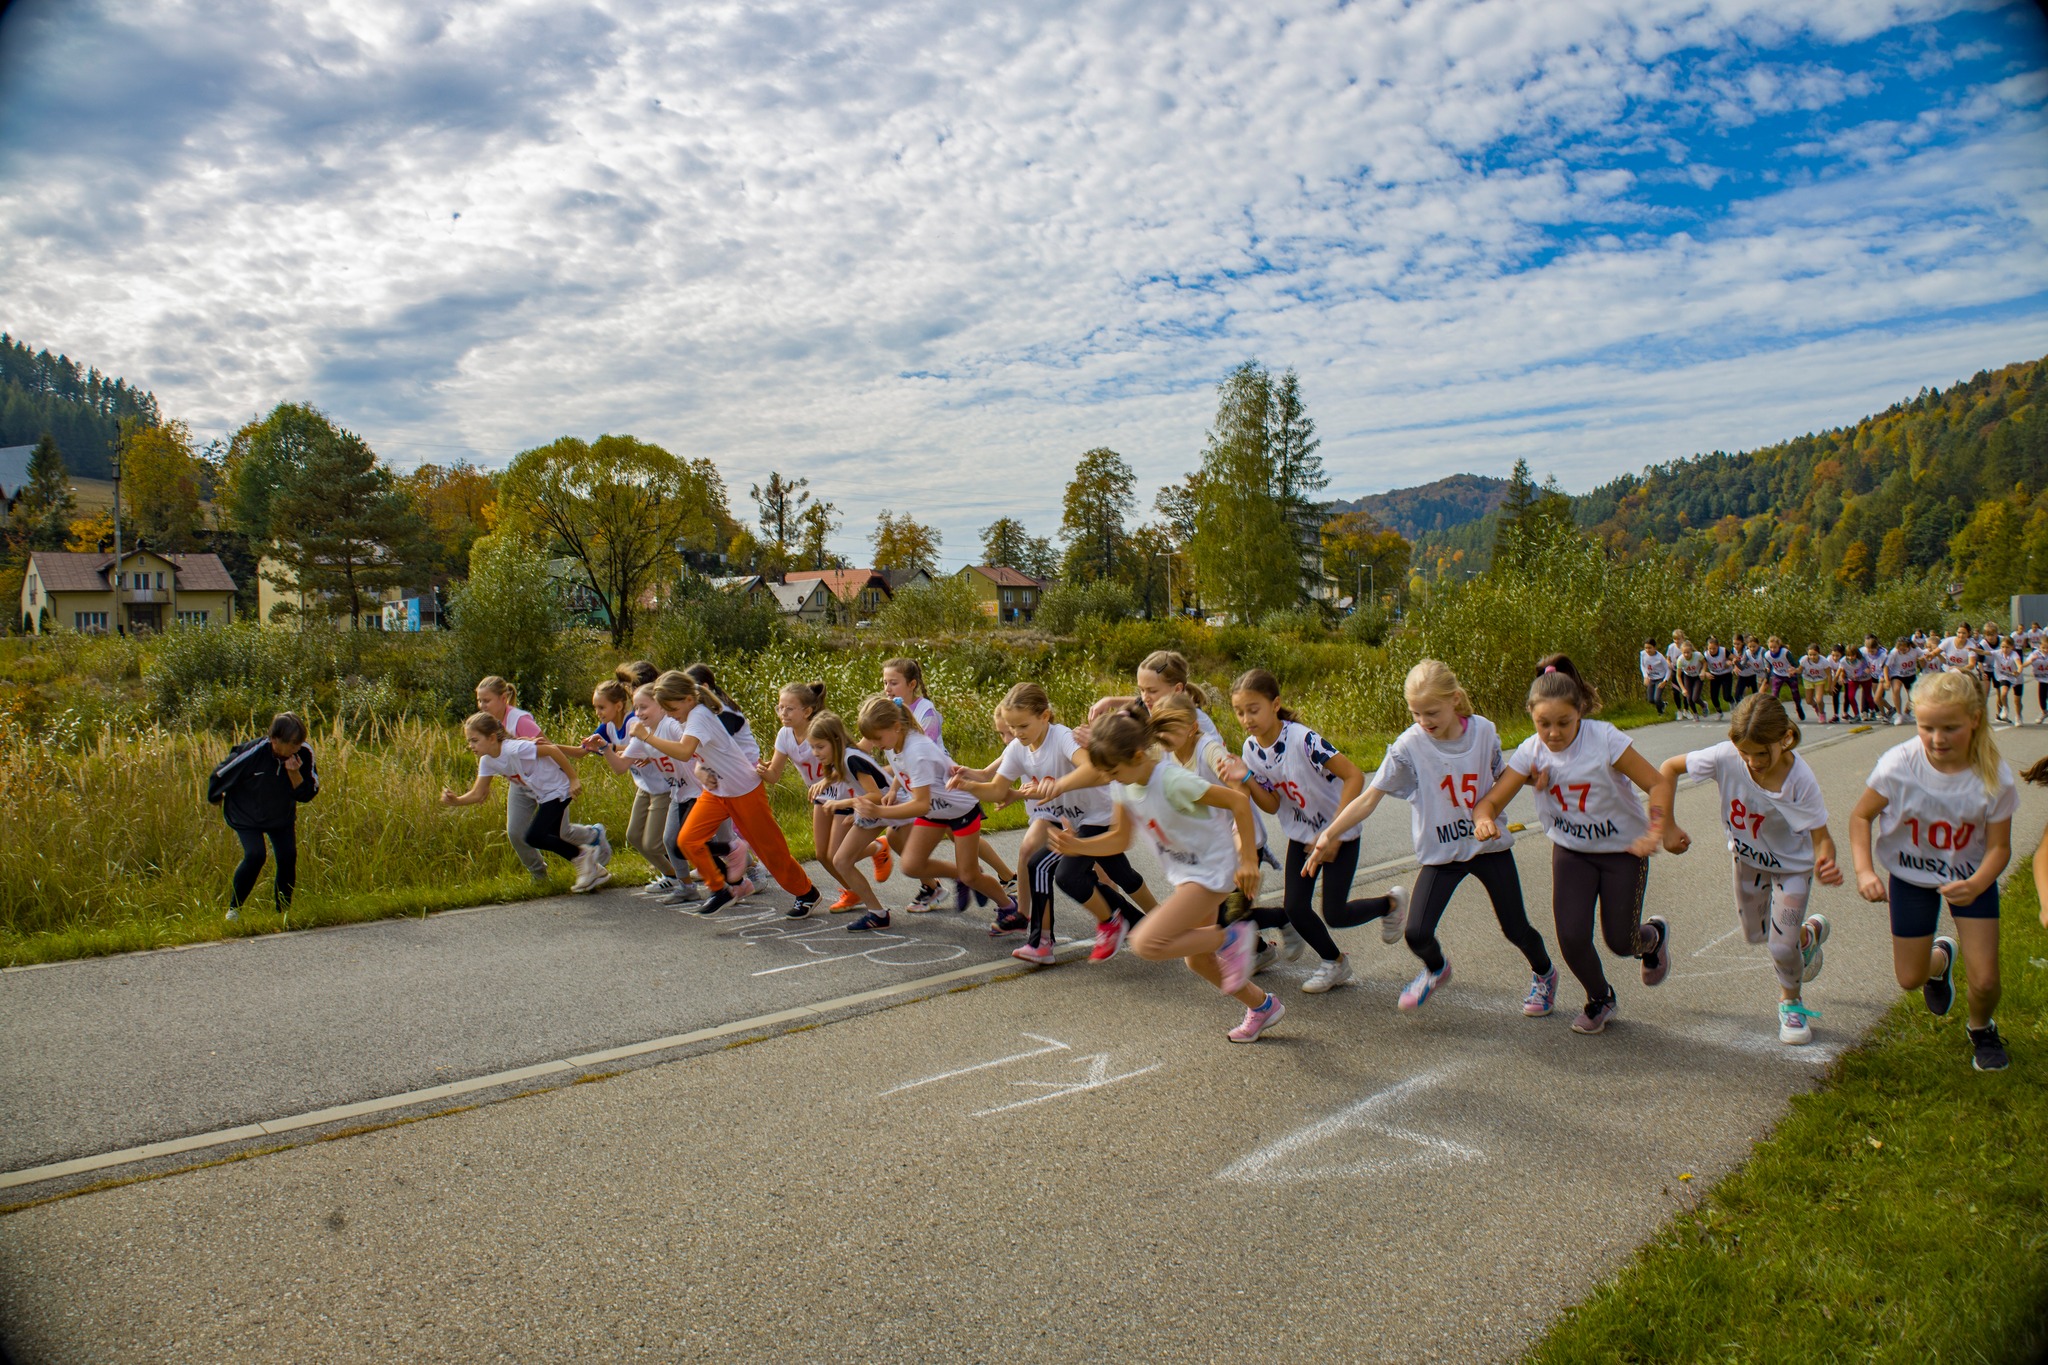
column 970, row 823
column 1916, row 909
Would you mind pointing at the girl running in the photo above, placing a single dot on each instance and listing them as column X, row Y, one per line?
column 1814, row 676
column 1901, row 671
column 1784, row 673
column 1440, row 765
column 738, row 855
column 1600, row 842
column 1720, row 676
column 1289, row 769
column 845, row 774
column 1656, row 671
column 2005, row 681
column 1750, row 668
column 1691, row 664
column 903, row 682
column 1203, row 835
column 615, row 707
column 2037, row 668
column 936, row 814
column 548, row 774
column 499, row 700
column 1942, row 806
column 1777, row 827
column 732, row 791
column 795, row 707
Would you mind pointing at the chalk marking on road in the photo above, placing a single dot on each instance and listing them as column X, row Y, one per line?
column 1051, row 1045
column 1098, row 1076
column 582, row 1061
column 1265, row 1166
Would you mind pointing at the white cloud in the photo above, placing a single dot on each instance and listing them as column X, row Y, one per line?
column 899, row 248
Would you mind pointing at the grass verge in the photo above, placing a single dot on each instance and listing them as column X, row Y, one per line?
column 1899, row 1213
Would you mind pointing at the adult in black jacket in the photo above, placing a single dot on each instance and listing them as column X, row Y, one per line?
column 259, row 788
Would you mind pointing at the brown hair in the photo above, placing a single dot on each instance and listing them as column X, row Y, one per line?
column 810, row 695
column 1433, row 678
column 1261, row 682
column 1761, row 719
column 1558, row 679
column 701, row 673
column 674, row 685
column 912, row 672
column 485, row 724
column 1029, row 698
column 1126, row 734
column 636, row 673
column 498, row 687
column 612, row 690
column 1172, row 668
column 828, row 728
column 2038, row 774
column 288, row 727
column 1175, row 720
column 879, row 715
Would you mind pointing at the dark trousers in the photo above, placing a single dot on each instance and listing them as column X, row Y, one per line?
column 285, row 840
column 1496, row 872
column 1720, row 691
column 545, row 833
column 1340, row 911
column 1611, row 884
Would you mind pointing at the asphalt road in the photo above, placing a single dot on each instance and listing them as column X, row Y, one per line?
column 1068, row 1165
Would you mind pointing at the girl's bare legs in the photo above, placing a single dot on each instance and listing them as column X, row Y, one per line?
column 1913, row 963
column 1184, row 926
column 994, row 860
column 918, row 859
column 846, row 860
column 970, row 851
column 823, row 832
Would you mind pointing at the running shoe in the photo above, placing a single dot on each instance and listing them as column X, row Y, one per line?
column 803, row 905
column 1292, row 946
column 884, row 864
column 1010, row 921
column 736, row 860
column 684, row 893
column 1425, row 982
column 1988, row 1048
column 1542, row 997
column 1657, row 962
column 660, row 886
column 586, row 865
column 1328, row 977
column 717, row 901
column 598, row 878
column 924, row 899
column 962, row 894
column 1898, row 719
column 1940, row 991
column 1109, row 936
column 1593, row 1018
column 1235, row 956
column 604, row 846
column 1396, row 918
column 1817, row 929
column 1793, row 1027
column 1256, row 1021
column 1266, row 956
column 1037, row 954
column 1011, row 887
column 845, row 901
column 868, row 923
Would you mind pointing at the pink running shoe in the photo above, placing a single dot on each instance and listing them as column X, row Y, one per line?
column 1423, row 986
column 1542, row 997
column 736, row 860
column 1593, row 1018
column 1235, row 956
column 1256, row 1021
column 1657, row 962
column 1038, row 954
column 1109, row 936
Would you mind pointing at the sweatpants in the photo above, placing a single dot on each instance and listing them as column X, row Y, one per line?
column 751, row 816
column 1075, row 875
column 1496, row 872
column 1772, row 909
column 284, row 839
column 1298, row 898
column 519, row 811
column 1614, row 883
column 1744, row 685
column 645, row 827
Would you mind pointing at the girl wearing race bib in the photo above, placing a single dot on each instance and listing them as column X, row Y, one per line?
column 845, row 774
column 1690, row 665
column 1814, row 677
column 936, row 813
column 1901, row 671
column 1934, row 825
column 1777, row 826
column 499, row 700
column 1203, row 835
column 1656, row 671
column 2036, row 667
column 1720, row 676
column 614, row 704
column 795, row 707
column 1440, row 765
column 1749, row 667
column 548, row 774
column 2005, row 679
column 1600, row 842
column 1289, row 769
column 903, row 682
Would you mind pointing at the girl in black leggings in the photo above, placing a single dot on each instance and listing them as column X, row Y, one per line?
column 259, row 788
column 1440, row 765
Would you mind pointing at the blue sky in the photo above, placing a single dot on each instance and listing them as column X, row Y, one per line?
column 900, row 248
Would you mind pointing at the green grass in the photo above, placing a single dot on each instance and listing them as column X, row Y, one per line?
column 1899, row 1213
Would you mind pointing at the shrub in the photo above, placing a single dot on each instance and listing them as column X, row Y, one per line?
column 704, row 621
column 509, row 620
column 1064, row 606
column 1296, row 623
column 947, row 607
column 1367, row 626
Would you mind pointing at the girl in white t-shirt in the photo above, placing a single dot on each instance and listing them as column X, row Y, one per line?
column 1656, row 671
column 1749, row 666
column 1690, row 664
column 1291, row 771
column 1901, row 672
column 1439, row 766
column 2036, row 667
column 545, row 772
column 1584, row 772
column 845, row 774
column 1777, row 826
column 614, row 704
column 499, row 699
column 1783, row 669
column 1202, row 832
column 796, row 706
column 903, row 682
column 2004, row 661
column 1720, row 676
column 1816, row 678
column 1934, row 826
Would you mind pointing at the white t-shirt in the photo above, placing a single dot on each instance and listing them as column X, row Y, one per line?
column 1902, row 663
column 1815, row 670
column 1195, row 843
column 655, row 772
column 1442, row 782
column 2037, row 664
column 1690, row 663
column 860, row 763
column 1054, row 758
column 1583, row 802
column 1771, row 831
column 1749, row 664
column 1781, row 662
column 1857, row 667
column 719, row 754
column 928, row 719
column 922, row 763
column 1655, row 666
column 1932, row 829
column 519, row 761
column 2005, row 666
column 1296, row 769
column 798, row 752
column 1957, row 654
column 1717, row 661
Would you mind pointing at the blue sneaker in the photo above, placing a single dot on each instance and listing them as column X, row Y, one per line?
column 1542, row 997
column 1817, row 929
column 1424, row 984
column 604, row 846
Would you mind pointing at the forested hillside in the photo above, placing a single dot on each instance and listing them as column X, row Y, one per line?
column 1416, row 512
column 80, row 408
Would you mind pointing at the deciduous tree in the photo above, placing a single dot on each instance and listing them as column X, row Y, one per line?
column 160, row 479
column 903, row 542
column 1244, row 549
column 1098, row 500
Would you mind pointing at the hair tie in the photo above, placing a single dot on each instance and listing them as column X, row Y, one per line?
column 1550, row 668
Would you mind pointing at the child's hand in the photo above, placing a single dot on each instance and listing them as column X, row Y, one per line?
column 817, row 789
column 1485, row 828
column 707, row 777
column 1676, row 840
column 1870, row 886
column 1960, row 893
column 761, row 770
column 638, row 729
column 447, row 797
column 1248, row 879
column 1325, row 848
column 1645, row 846
column 953, row 778
column 1062, row 840
column 1828, row 870
column 1232, row 770
column 593, row 744
column 575, row 787
column 869, row 807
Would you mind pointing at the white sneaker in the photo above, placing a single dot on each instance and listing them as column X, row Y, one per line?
column 1267, row 955
column 1793, row 1028
column 1328, row 977
column 587, row 868
column 1396, row 919
column 1291, row 946
column 660, row 886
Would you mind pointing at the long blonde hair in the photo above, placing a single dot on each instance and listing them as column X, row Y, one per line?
column 880, row 715
column 1432, row 679
column 1960, row 689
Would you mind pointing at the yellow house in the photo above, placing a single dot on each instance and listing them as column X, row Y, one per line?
column 1009, row 596
column 86, row 591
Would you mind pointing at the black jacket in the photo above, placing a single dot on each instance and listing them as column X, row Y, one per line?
column 253, row 789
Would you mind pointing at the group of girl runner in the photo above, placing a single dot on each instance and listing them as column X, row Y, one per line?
column 1932, row 827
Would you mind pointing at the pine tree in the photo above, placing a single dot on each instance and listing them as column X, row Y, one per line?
column 1245, row 553
column 42, row 513
column 1298, row 476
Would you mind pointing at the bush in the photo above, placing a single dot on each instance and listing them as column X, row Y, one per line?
column 1367, row 626
column 1296, row 623
column 703, row 621
column 948, row 607
column 1064, row 606
column 509, row 620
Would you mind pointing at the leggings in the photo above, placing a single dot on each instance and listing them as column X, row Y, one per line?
column 750, row 814
column 1615, row 882
column 646, row 826
column 285, row 839
column 1075, row 875
column 1720, row 691
column 1298, row 894
column 1772, row 908
column 1744, row 685
column 1496, row 872
column 1689, row 684
column 1779, row 684
column 545, row 832
column 1655, row 692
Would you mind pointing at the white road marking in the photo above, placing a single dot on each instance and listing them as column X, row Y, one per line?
column 1098, row 1076
column 1269, row 1164
column 1051, row 1045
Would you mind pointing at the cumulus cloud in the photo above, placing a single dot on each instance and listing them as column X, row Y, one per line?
column 897, row 247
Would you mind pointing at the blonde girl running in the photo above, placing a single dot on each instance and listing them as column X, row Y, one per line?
column 1934, row 827
column 1777, row 826
column 652, row 774
column 795, row 707
column 1583, row 771
column 1202, row 833
column 548, row 775
column 903, row 682
column 846, row 774
column 499, row 700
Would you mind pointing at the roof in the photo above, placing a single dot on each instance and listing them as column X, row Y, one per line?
column 844, row 584
column 896, row 578
column 86, row 570
column 745, row 582
column 13, row 470
column 795, row 596
column 1003, row 576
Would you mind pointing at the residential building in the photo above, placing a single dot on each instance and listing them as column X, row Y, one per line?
column 1005, row 593
column 809, row 601
column 899, row 579
column 147, row 591
column 857, row 593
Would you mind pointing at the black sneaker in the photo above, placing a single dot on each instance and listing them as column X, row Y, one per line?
column 1989, row 1048
column 1940, row 991
column 717, row 901
column 803, row 906
column 869, row 922
column 1008, row 922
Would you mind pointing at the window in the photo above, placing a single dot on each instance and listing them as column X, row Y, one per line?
column 31, row 592
column 84, row 621
column 191, row 618
column 159, row 582
column 1008, row 596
